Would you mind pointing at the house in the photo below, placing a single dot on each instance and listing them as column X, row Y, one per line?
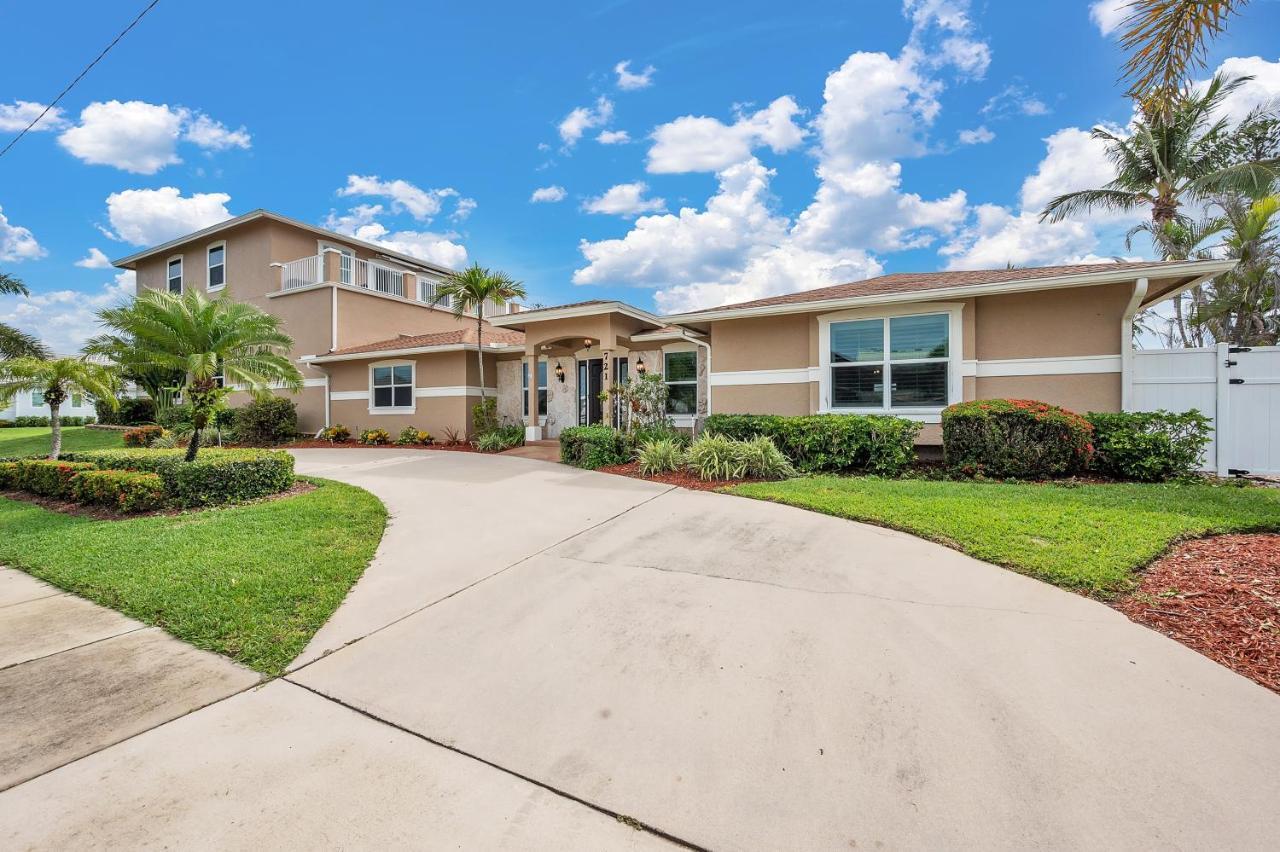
column 32, row 404
column 375, row 352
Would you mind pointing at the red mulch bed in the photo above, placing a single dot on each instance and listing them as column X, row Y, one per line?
column 1219, row 596
column 317, row 444
column 682, row 478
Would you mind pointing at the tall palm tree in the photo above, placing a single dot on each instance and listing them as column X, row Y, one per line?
column 211, row 343
column 15, row 343
column 1166, row 39
column 468, row 291
column 57, row 379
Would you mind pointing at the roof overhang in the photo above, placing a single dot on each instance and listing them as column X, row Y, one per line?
column 520, row 319
column 408, row 350
column 1197, row 270
column 131, row 261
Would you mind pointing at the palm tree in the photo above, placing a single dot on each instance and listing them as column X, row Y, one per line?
column 15, row 343
column 1243, row 305
column 468, row 291
column 211, row 343
column 1166, row 39
column 57, row 379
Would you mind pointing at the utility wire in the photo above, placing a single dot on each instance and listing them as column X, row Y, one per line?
column 87, row 69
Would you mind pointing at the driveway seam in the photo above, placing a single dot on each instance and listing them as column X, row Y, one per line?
column 29, row 600
column 624, row 819
column 475, row 583
column 77, row 647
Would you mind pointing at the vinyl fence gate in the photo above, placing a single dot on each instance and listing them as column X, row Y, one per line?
column 1238, row 387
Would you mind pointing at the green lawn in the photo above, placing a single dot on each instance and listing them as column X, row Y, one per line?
column 253, row 582
column 34, row 440
column 1085, row 537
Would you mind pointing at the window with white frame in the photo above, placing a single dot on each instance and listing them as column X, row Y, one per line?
column 77, row 400
column 542, row 387
column 175, row 275
column 392, row 386
column 680, row 372
column 891, row 362
column 217, row 266
column 37, row 398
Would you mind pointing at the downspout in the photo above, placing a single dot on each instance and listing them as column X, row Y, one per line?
column 1126, row 343
column 685, row 336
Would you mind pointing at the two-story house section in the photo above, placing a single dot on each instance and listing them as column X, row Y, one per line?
column 332, row 293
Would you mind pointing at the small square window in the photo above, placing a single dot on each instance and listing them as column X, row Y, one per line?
column 393, row 386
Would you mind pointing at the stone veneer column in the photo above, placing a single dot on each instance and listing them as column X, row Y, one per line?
column 532, row 428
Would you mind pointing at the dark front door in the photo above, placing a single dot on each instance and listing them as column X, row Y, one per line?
column 590, row 383
column 621, row 372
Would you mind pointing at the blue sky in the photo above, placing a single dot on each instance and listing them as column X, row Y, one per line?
column 746, row 149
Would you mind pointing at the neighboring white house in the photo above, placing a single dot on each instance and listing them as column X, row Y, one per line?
column 32, row 404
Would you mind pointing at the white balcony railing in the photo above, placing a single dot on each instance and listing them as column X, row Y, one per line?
column 371, row 275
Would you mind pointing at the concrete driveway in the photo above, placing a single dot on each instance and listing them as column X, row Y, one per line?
column 537, row 650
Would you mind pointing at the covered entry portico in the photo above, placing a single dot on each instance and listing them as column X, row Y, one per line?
column 573, row 354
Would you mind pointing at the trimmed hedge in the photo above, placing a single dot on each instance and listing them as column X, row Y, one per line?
column 27, row 421
column 215, row 477
column 593, row 446
column 1015, row 439
column 123, row 490
column 1149, row 446
column 874, row 443
column 142, row 436
column 128, row 411
column 50, row 478
column 268, row 420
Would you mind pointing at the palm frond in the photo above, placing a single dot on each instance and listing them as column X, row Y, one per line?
column 11, row 285
column 1088, row 200
column 1167, row 39
column 16, row 343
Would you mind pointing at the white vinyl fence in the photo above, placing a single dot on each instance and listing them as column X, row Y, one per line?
column 1238, row 387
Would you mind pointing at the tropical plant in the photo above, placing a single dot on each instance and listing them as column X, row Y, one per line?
column 661, row 455
column 14, row 342
column 1242, row 306
column 212, row 342
column 57, row 379
column 1166, row 39
column 467, row 293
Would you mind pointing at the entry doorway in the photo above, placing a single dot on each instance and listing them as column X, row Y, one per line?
column 590, row 383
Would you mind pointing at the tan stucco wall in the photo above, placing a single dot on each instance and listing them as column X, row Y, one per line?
column 365, row 318
column 763, row 343
column 434, row 414
column 788, row 399
column 1051, row 323
column 1080, row 393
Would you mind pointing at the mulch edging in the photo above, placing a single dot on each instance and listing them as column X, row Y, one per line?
column 682, row 478
column 1219, row 596
column 318, row 444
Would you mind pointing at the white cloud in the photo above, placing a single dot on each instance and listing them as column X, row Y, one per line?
column 1074, row 160
column 1108, row 15
column 17, row 243
column 95, row 259
column 420, row 203
column 1264, row 88
column 613, row 137
column 1014, row 99
column 16, row 116
column 464, row 208
column 142, row 138
column 625, row 199
column 213, row 135
column 703, row 144
column 947, row 23
column 977, row 136
column 146, row 217
column 1001, row 238
column 361, row 222
column 628, row 81
column 64, row 319
column 582, row 119
column 551, row 193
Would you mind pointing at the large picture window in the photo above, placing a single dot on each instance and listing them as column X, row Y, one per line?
column 217, row 266
column 542, row 387
column 891, row 362
column 393, row 386
column 680, row 371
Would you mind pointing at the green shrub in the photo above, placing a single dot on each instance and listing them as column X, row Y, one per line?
column 142, row 436
column 128, row 411
column 216, row 476
column 75, row 420
column 49, row 478
column 717, row 457
column 412, row 435
column 1150, row 446
column 641, row 435
column 336, row 432
column 266, row 420
column 175, row 417
column 484, row 417
column 6, row 424
column 764, row 460
column 490, row 442
column 27, row 421
column 123, row 490
column 9, row 474
column 873, row 443
column 1015, row 438
column 660, row 455
column 593, row 446
column 375, row 437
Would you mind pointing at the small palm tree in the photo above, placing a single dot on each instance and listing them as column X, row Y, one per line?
column 15, row 343
column 210, row 342
column 57, row 379
column 468, row 291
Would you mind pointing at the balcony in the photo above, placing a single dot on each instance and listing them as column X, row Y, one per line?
column 334, row 267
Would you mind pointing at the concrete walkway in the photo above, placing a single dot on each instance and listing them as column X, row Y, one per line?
column 536, row 650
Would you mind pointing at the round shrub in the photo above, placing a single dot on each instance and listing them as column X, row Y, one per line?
column 336, row 432
column 142, row 436
column 412, row 435
column 267, row 420
column 593, row 446
column 123, row 490
column 128, row 411
column 1149, row 446
column 1015, row 439
column 375, row 437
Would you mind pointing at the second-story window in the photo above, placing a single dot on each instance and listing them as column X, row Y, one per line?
column 217, row 266
column 175, row 276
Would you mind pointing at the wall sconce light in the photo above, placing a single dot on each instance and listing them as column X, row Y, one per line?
column 559, row 373
column 641, row 369
column 587, row 343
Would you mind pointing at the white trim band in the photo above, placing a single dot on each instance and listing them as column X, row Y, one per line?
column 1076, row 365
column 799, row 375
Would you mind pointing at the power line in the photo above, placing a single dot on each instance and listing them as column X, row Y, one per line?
column 87, row 69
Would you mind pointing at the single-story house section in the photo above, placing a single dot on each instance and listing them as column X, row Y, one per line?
column 907, row 344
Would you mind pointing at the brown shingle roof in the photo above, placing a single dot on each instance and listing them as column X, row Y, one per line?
column 439, row 338
column 911, row 282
